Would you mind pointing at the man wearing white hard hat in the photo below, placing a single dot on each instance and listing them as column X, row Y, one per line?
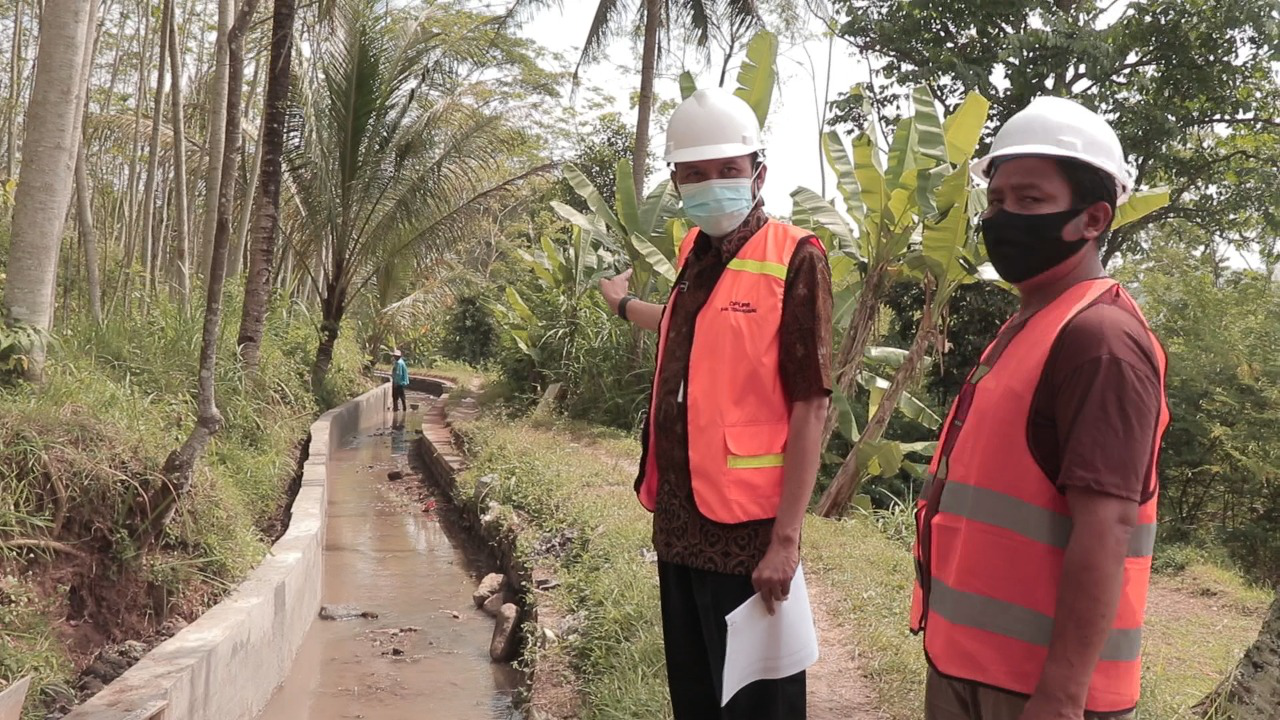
column 1036, row 528
column 739, row 398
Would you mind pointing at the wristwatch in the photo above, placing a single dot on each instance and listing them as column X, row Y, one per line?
column 622, row 306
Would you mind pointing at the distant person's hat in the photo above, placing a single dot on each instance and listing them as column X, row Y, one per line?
column 395, row 353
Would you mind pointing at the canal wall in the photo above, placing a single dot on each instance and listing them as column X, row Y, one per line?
column 228, row 663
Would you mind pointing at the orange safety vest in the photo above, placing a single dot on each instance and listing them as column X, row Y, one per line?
column 995, row 529
column 737, row 411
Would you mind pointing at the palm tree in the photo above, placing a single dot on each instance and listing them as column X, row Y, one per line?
column 48, row 168
column 401, row 148
column 266, row 204
column 699, row 17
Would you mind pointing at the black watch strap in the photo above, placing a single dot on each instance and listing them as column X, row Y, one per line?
column 622, row 306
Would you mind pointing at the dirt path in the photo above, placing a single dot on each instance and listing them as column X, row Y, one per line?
column 838, row 690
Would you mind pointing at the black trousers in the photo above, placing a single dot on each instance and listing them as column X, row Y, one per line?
column 397, row 398
column 694, row 604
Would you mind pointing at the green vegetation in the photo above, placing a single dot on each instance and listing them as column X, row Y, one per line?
column 80, row 454
column 1201, row 616
column 580, row 484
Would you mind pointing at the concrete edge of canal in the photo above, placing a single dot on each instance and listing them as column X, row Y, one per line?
column 227, row 664
column 549, row 693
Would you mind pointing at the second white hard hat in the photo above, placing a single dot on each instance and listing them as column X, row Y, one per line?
column 712, row 123
column 1058, row 127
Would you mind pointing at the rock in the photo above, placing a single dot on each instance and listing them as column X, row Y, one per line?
column 503, row 646
column 345, row 612
column 494, row 604
column 173, row 626
column 394, row 652
column 133, row 650
column 91, row 686
column 491, row 585
column 395, row 475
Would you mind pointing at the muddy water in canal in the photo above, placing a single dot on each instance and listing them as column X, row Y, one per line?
column 426, row 655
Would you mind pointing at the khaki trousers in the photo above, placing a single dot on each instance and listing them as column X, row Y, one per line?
column 946, row 699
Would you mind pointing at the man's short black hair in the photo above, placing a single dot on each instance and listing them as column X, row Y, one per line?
column 1088, row 184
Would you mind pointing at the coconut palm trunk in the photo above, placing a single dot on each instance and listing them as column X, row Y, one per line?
column 48, row 169
column 266, row 205
column 179, row 467
column 217, row 127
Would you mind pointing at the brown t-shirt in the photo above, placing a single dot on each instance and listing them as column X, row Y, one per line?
column 1097, row 405
column 681, row 534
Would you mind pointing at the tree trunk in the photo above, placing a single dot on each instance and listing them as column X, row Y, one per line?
column 266, row 205
column 856, row 338
column 84, row 223
column 133, row 230
column 235, row 256
column 179, row 467
column 182, row 263
column 849, row 478
column 48, row 169
column 332, row 307
column 153, row 161
column 84, row 194
column 217, row 124
column 16, row 62
column 648, row 68
column 1252, row 691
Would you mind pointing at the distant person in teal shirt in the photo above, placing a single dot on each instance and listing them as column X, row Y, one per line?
column 399, row 381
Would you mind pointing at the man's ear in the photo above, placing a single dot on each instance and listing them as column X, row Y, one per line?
column 760, row 176
column 1095, row 220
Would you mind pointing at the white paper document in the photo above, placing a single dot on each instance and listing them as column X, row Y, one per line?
column 765, row 647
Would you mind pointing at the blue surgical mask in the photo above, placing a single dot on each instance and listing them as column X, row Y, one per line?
column 718, row 207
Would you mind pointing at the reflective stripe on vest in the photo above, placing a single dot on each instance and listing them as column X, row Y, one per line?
column 737, row 411
column 997, row 529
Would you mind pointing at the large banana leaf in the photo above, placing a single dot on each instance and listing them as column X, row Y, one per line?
column 810, row 211
column 891, row 356
column 661, row 205
column 517, row 303
column 943, row 242
column 625, row 197
column 963, row 127
column 654, row 257
column 595, row 200
column 929, row 136
column 902, row 155
column 927, row 184
column 846, row 423
column 759, row 74
column 1139, row 205
column 907, row 404
column 846, row 177
column 687, row 85
column 592, row 224
column 881, row 457
column 871, row 183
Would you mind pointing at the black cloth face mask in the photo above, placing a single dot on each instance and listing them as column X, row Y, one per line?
column 1023, row 246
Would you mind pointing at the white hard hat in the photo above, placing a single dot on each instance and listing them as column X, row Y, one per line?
column 1058, row 127
column 713, row 123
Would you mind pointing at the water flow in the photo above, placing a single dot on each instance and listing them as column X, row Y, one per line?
column 426, row 656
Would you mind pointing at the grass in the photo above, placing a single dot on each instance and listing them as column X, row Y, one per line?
column 1201, row 617
column 78, row 453
column 581, row 484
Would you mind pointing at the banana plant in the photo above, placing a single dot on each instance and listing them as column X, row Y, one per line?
column 565, row 274
column 945, row 254
column 909, row 207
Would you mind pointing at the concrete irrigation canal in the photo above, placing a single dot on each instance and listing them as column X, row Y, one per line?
column 426, row 653
column 365, row 608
